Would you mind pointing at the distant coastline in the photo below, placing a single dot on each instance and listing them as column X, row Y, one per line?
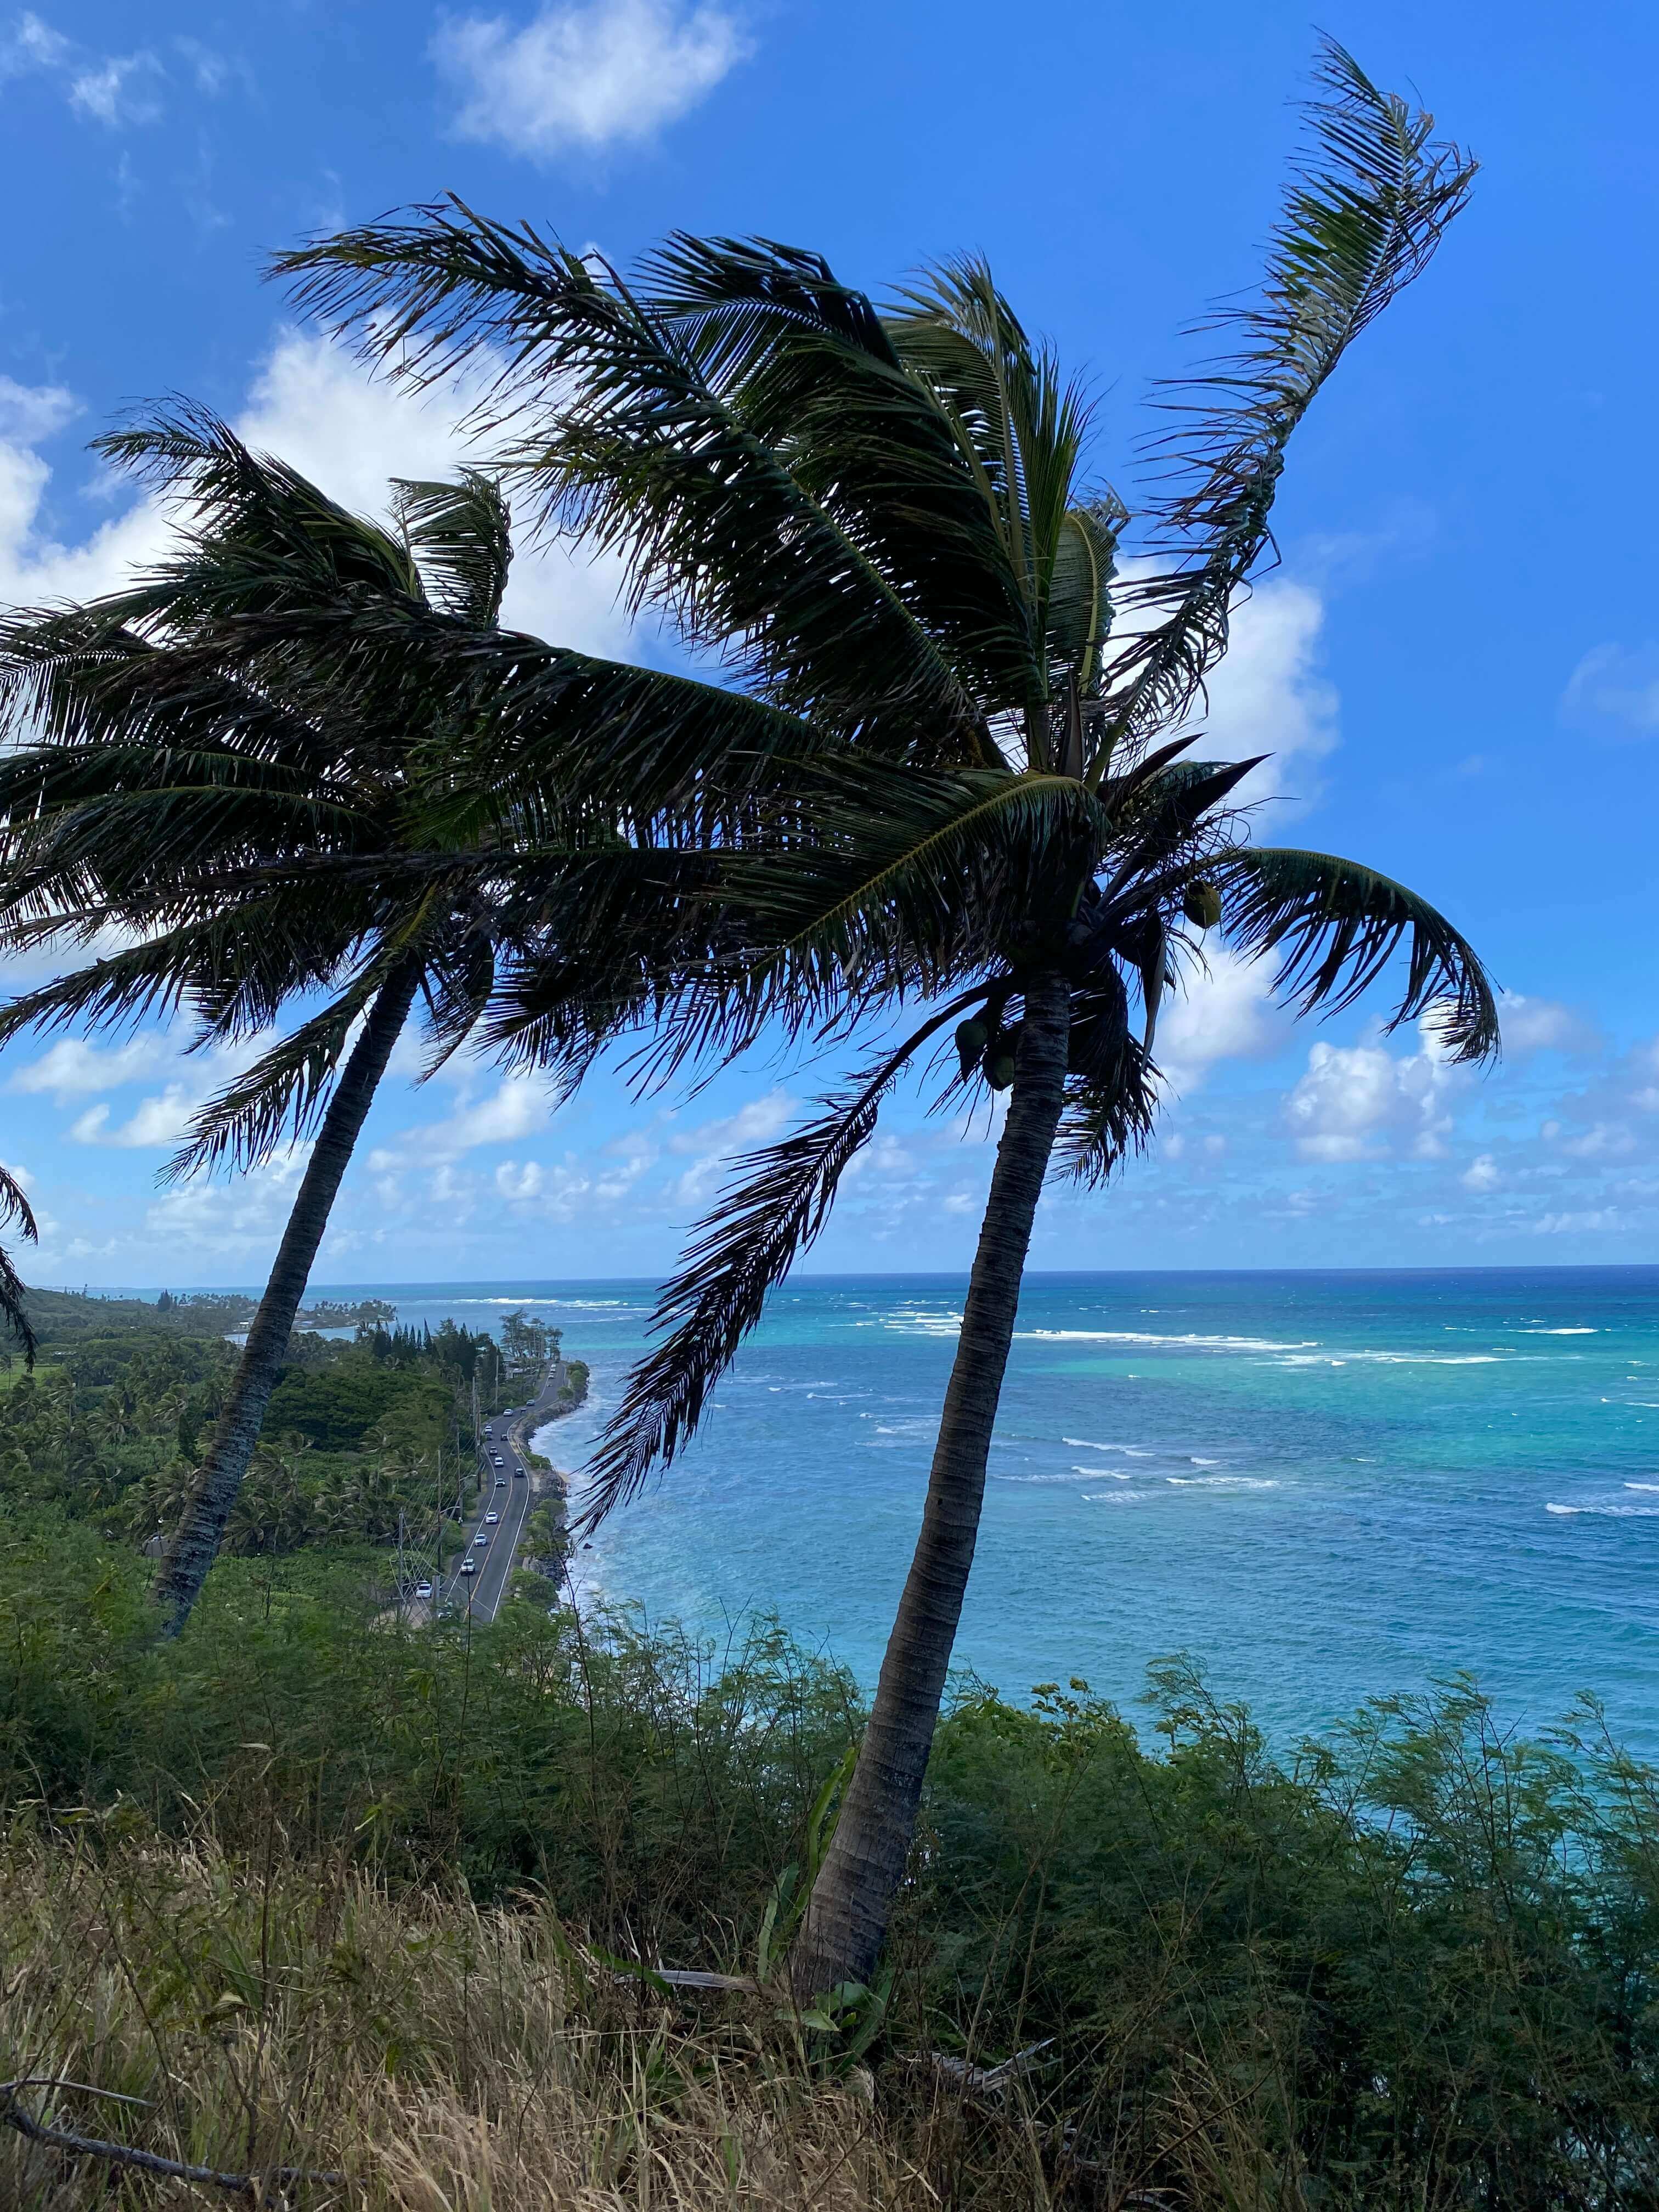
column 563, row 1390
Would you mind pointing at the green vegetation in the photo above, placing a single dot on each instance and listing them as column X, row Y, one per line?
column 319, row 1886
column 1416, row 1964
column 109, row 1425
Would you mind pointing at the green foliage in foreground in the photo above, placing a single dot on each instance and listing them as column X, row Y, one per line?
column 1418, row 1963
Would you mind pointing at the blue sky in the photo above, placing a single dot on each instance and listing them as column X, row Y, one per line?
column 1456, row 667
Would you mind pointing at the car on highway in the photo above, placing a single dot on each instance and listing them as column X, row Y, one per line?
column 480, row 1540
column 517, row 1467
column 492, row 1516
column 423, row 1589
column 498, row 1460
column 469, row 1566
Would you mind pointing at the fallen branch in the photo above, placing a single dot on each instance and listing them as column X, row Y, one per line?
column 146, row 2162
column 979, row 2081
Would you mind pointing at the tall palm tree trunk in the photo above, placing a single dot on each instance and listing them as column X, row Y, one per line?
column 195, row 1543
column 846, row 1918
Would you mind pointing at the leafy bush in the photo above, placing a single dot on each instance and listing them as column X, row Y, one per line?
column 1412, row 1964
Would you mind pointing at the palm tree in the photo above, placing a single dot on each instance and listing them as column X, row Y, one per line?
column 988, row 804
column 232, row 759
column 301, row 759
column 15, row 1207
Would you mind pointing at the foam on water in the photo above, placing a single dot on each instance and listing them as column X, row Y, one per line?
column 1146, row 1336
column 1220, row 1481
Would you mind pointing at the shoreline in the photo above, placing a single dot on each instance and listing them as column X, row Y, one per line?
column 564, row 1389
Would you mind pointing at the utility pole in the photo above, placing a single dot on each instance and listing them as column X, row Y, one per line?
column 401, row 1585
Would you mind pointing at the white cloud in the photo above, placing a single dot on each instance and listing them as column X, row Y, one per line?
column 1602, row 1140
column 28, row 412
column 514, row 1181
column 751, row 1125
column 310, row 403
column 1225, row 1015
column 1266, row 695
column 1482, row 1173
column 238, row 1221
column 1355, row 1100
column 517, row 1109
column 73, row 1066
column 1615, row 683
column 1544, row 1025
column 1591, row 1220
column 119, row 91
column 587, row 76
column 717, row 1143
column 163, row 1120
column 551, row 1191
column 32, row 44
column 210, row 71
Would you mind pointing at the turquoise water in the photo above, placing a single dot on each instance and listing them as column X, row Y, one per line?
column 1326, row 1486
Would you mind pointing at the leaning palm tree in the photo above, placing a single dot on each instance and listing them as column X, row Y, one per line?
column 232, row 762
column 988, row 802
column 302, row 761
column 15, row 1207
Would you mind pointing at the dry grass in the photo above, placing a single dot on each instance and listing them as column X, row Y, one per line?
column 443, row 2058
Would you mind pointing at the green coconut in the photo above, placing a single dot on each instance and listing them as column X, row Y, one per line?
column 972, row 1037
column 1202, row 905
column 999, row 1068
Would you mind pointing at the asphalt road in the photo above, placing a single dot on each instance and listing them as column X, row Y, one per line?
column 482, row 1592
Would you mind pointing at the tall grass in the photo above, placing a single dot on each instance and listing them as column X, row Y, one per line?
column 267, row 2013
column 327, row 1892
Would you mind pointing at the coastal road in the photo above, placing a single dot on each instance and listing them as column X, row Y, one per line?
column 481, row 1593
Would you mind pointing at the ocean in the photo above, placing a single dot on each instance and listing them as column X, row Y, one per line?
column 1323, row 1486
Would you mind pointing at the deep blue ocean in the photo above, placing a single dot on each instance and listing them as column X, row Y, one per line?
column 1326, row 1486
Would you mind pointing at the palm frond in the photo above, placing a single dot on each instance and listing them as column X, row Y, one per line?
column 242, row 510
column 1335, row 926
column 906, row 879
column 281, row 1099
column 15, row 1207
column 772, row 1210
column 460, row 533
column 620, row 436
column 1108, row 1116
column 1366, row 208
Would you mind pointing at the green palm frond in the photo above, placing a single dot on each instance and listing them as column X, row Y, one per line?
column 771, row 1211
column 1335, row 926
column 1023, row 426
column 249, row 521
column 906, row 879
column 1109, row 1117
column 1366, row 211
column 281, row 1099
column 460, row 533
column 15, row 1208
column 620, row 437
column 923, row 488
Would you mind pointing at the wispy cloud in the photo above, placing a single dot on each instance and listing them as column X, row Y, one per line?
column 1617, row 685
column 29, row 44
column 583, row 78
column 119, row 91
column 73, row 1066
